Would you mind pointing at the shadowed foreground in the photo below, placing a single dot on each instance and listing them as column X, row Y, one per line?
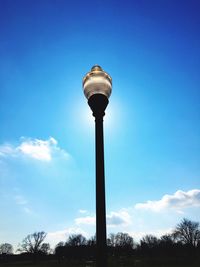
column 180, row 248
column 112, row 262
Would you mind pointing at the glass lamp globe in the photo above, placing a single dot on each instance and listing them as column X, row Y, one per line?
column 97, row 81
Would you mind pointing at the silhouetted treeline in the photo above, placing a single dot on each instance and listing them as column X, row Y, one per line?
column 182, row 246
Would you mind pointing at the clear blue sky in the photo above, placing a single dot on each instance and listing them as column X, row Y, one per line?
column 152, row 125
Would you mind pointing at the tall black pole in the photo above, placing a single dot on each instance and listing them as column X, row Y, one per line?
column 98, row 104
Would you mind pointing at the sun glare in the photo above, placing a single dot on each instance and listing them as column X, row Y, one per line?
column 86, row 119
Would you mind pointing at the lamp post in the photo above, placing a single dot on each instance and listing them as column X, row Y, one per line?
column 97, row 85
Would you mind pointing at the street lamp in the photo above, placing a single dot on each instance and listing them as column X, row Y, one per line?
column 97, row 86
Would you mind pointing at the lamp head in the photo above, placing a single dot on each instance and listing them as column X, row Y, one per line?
column 97, row 81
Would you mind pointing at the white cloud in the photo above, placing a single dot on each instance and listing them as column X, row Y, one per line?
column 158, row 233
column 58, row 236
column 83, row 211
column 89, row 220
column 120, row 218
column 113, row 219
column 42, row 150
column 178, row 201
column 38, row 149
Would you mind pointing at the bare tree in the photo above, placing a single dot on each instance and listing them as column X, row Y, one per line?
column 111, row 240
column 33, row 243
column 167, row 239
column 149, row 241
column 6, row 248
column 45, row 248
column 76, row 240
column 120, row 240
column 91, row 241
column 187, row 232
column 60, row 244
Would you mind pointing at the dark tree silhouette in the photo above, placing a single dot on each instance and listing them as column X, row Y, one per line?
column 120, row 244
column 76, row 240
column 32, row 243
column 120, row 240
column 75, row 248
column 60, row 250
column 124, row 240
column 181, row 248
column 60, row 244
column 111, row 240
column 91, row 241
column 167, row 239
column 149, row 241
column 6, row 248
column 187, row 232
column 45, row 248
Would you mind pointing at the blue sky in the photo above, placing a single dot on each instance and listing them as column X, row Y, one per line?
column 152, row 131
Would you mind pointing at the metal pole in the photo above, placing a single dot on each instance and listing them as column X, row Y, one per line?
column 100, row 194
column 98, row 104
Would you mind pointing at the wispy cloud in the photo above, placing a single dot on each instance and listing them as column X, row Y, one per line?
column 6, row 149
column 22, row 202
column 42, row 150
column 28, row 210
column 178, row 201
